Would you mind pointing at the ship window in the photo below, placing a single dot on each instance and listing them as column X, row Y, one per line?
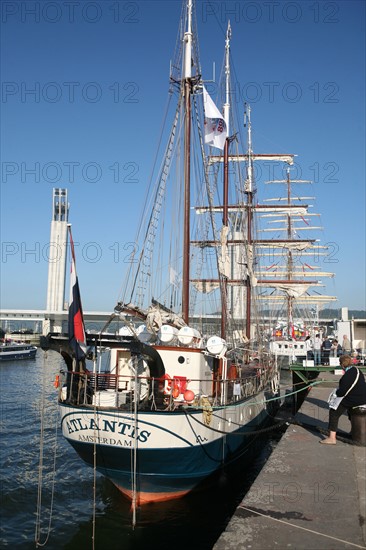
column 181, row 359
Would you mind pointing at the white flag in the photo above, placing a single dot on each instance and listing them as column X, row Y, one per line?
column 215, row 125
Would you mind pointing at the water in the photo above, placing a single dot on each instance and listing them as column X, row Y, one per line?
column 26, row 390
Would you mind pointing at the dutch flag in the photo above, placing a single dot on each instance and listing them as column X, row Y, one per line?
column 77, row 337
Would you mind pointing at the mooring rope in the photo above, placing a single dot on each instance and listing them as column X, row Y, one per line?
column 41, row 466
column 134, row 464
column 278, row 397
column 280, row 424
column 240, row 434
column 94, row 456
column 299, row 527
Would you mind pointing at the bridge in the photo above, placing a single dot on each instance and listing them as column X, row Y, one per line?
column 45, row 321
column 48, row 320
column 56, row 321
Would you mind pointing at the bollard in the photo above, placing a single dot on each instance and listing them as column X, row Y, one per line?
column 358, row 424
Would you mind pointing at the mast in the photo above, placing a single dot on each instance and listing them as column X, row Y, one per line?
column 289, row 260
column 225, row 217
column 227, row 78
column 291, row 221
column 249, row 192
column 186, row 82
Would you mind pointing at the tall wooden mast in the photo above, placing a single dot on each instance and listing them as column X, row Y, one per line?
column 225, row 215
column 249, row 193
column 187, row 83
column 290, row 299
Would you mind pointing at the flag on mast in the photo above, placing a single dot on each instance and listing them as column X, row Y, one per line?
column 77, row 339
column 215, row 125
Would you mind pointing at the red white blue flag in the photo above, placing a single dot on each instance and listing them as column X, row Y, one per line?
column 77, row 337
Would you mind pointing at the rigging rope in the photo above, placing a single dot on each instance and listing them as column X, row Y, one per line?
column 94, row 455
column 134, row 470
column 251, row 510
column 41, row 467
column 144, row 265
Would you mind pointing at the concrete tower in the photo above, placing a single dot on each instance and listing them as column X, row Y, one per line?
column 58, row 251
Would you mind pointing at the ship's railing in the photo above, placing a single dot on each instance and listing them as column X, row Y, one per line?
column 110, row 390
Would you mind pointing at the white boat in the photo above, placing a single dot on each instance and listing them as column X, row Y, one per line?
column 187, row 380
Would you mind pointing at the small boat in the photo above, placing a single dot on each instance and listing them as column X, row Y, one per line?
column 180, row 381
column 15, row 351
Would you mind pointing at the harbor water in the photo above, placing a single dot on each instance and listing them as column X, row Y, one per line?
column 71, row 509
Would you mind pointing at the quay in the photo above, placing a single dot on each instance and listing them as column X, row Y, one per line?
column 307, row 496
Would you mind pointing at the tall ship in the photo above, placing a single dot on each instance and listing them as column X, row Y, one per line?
column 292, row 269
column 181, row 378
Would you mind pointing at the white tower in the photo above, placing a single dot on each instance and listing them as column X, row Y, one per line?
column 58, row 251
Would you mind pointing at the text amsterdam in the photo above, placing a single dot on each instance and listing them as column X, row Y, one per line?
column 107, row 426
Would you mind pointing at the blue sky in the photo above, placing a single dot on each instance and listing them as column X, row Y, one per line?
column 84, row 87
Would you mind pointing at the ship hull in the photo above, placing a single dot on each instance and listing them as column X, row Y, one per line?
column 173, row 452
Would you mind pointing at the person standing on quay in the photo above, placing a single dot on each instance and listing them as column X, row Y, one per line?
column 309, row 348
column 351, row 390
column 336, row 349
column 317, row 349
column 326, row 347
column 346, row 346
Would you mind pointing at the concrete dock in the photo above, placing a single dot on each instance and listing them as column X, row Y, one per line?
column 307, row 496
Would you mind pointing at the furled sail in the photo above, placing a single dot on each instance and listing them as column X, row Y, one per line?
column 224, row 259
